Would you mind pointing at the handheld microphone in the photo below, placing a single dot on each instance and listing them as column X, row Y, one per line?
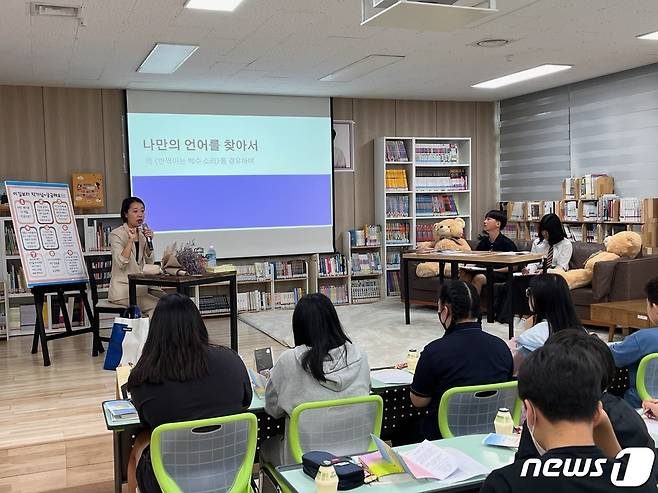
column 149, row 241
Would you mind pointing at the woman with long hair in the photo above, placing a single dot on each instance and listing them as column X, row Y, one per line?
column 553, row 243
column 180, row 376
column 323, row 365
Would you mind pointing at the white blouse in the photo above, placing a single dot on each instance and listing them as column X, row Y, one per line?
column 561, row 254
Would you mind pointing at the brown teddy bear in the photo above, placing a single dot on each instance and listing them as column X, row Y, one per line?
column 448, row 235
column 624, row 244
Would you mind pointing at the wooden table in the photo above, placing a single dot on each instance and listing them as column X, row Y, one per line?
column 182, row 283
column 631, row 314
column 489, row 260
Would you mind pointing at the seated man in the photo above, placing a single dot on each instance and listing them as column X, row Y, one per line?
column 633, row 348
column 465, row 355
column 561, row 386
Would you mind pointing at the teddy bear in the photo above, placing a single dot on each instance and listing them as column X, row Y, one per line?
column 626, row 244
column 448, row 235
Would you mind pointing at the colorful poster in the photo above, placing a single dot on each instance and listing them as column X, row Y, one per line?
column 48, row 240
column 88, row 190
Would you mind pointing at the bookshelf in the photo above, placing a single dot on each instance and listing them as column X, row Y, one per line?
column 418, row 181
column 17, row 301
column 364, row 264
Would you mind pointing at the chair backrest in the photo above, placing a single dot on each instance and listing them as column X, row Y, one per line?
column 471, row 410
column 99, row 268
column 207, row 455
column 341, row 426
column 646, row 380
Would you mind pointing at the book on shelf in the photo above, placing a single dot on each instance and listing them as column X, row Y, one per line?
column 396, row 180
column 397, row 206
column 366, row 263
column 630, row 210
column 11, row 245
column 392, row 283
column 441, row 179
column 393, row 260
column 289, row 269
column 16, row 279
column 588, row 211
column 253, row 301
column 332, row 265
column 396, row 151
column 550, row 207
column 397, row 232
column 570, row 210
column 571, row 188
column 516, row 211
column 424, row 232
column 593, row 186
column 97, row 236
column 287, row 298
column 258, row 271
column 434, row 205
column 365, row 288
column 369, row 235
column 214, row 304
column 436, row 152
column 534, row 210
column 337, row 294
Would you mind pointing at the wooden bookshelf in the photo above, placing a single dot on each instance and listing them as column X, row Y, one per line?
column 365, row 285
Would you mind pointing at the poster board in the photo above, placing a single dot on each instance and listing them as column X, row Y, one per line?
column 46, row 233
column 88, row 192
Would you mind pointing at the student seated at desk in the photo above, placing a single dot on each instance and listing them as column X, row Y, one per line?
column 324, row 365
column 627, row 424
column 551, row 242
column 181, row 376
column 636, row 346
column 560, row 385
column 550, row 302
column 465, row 355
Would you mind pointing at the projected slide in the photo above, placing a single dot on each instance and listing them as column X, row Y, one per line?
column 250, row 175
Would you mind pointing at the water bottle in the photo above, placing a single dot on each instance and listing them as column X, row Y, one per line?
column 412, row 360
column 326, row 480
column 212, row 257
column 503, row 423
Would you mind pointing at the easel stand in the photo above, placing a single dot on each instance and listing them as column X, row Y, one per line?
column 39, row 294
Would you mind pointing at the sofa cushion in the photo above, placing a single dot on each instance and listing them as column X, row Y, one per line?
column 426, row 283
column 582, row 296
column 582, row 251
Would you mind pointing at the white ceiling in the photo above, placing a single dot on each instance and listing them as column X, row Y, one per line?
column 285, row 46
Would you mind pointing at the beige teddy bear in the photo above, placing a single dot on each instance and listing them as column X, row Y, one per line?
column 448, row 235
column 624, row 244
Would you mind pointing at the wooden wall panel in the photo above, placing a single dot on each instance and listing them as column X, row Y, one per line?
column 343, row 180
column 117, row 179
column 487, row 183
column 415, row 118
column 74, row 132
column 455, row 119
column 22, row 146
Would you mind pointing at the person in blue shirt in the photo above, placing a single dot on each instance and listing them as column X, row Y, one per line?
column 633, row 348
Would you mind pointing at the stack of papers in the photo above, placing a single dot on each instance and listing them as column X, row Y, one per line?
column 507, row 441
column 393, row 376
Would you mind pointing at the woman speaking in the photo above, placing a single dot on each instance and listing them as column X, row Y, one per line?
column 131, row 245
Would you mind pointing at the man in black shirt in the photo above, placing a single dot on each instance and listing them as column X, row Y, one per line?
column 560, row 387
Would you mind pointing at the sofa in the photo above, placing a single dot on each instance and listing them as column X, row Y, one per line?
column 616, row 280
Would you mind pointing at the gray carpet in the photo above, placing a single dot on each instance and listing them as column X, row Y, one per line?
column 378, row 328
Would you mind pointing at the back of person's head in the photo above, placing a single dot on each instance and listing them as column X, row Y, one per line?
column 315, row 324
column 176, row 348
column 562, row 381
column 652, row 291
column 553, row 226
column 550, row 300
column 458, row 301
column 125, row 206
column 593, row 344
column 499, row 216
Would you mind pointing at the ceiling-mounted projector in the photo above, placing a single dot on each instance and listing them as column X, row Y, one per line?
column 425, row 15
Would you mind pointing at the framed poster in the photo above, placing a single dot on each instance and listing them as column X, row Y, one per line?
column 88, row 190
column 46, row 233
column 343, row 137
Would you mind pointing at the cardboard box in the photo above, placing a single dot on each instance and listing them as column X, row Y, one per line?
column 650, row 210
column 650, row 234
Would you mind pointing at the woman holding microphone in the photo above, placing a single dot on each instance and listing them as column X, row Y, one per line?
column 132, row 248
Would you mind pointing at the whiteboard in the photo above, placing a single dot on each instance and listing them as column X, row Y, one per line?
column 46, row 233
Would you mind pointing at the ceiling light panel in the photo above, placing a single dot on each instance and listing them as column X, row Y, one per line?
column 521, row 76
column 217, row 5
column 361, row 67
column 650, row 36
column 165, row 58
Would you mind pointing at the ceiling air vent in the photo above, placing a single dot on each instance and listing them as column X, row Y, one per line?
column 55, row 10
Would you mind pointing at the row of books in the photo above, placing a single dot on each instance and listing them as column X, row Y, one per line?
column 611, row 207
column 397, row 232
column 102, row 272
column 392, row 283
column 16, row 282
column 337, row 294
column 397, row 206
column 607, row 208
column 289, row 298
column 393, row 260
column 11, row 245
column 332, row 265
column 97, row 236
column 289, row 269
column 424, row 232
column 444, row 179
column 396, row 151
column 369, row 235
column 590, row 186
column 396, row 179
column 214, row 304
column 366, row 263
column 437, row 152
column 254, row 301
column 258, row 271
column 25, row 316
column 365, row 288
column 431, row 205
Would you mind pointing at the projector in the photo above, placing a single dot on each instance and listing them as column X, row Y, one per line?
column 384, row 4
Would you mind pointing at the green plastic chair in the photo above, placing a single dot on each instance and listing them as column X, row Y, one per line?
column 215, row 454
column 646, row 381
column 339, row 426
column 471, row 410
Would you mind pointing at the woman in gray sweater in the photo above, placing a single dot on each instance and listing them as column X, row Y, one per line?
column 324, row 365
